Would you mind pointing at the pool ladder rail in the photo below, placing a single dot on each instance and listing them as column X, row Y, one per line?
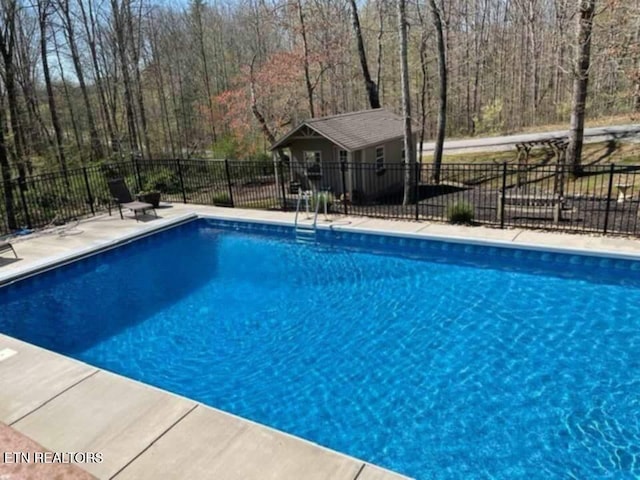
column 306, row 233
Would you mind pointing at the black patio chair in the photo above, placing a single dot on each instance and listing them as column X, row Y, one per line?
column 121, row 195
column 6, row 246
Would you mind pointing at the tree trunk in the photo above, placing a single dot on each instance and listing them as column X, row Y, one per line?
column 160, row 87
column 379, row 55
column 205, row 65
column 5, row 171
column 15, row 113
column 43, row 14
column 305, row 48
column 370, row 85
column 423, row 94
column 67, row 96
column 89, row 22
column 173, row 95
column 254, row 108
column 442, row 74
column 586, row 12
column 409, row 146
column 258, row 115
column 96, row 144
column 126, row 78
column 135, row 50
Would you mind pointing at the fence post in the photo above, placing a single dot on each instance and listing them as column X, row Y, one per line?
column 345, row 194
column 88, row 187
column 608, row 207
column 502, row 193
column 23, row 199
column 282, row 188
column 416, row 193
column 184, row 192
column 226, row 168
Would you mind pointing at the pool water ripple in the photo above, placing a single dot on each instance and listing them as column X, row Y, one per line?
column 437, row 367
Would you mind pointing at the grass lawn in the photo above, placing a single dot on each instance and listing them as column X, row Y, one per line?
column 595, row 154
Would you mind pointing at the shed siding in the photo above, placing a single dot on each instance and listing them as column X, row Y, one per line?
column 363, row 177
column 331, row 177
column 374, row 184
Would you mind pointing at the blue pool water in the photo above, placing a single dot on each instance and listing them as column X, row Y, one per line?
column 435, row 360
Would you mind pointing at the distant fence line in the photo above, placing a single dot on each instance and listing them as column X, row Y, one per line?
column 602, row 199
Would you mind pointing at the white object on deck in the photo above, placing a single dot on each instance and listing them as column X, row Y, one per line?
column 6, row 353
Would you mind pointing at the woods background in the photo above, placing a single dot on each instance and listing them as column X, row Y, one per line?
column 87, row 80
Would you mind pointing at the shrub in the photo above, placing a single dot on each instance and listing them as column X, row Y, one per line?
column 162, row 180
column 460, row 212
column 263, row 157
column 221, row 199
column 48, row 200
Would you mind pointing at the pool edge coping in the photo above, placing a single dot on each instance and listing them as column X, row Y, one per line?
column 419, row 235
column 66, row 258
column 195, row 404
column 56, row 261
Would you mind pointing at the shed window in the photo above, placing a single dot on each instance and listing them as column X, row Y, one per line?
column 343, row 156
column 312, row 157
column 380, row 157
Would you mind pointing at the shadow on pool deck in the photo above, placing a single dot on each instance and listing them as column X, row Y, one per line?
column 8, row 261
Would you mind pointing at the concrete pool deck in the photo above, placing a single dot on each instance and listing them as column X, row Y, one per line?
column 144, row 432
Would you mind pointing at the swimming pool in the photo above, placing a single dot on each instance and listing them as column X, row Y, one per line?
column 434, row 359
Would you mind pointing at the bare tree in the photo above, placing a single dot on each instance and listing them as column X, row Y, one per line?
column 70, row 36
column 5, row 171
column 442, row 75
column 44, row 9
column 89, row 23
column 305, row 60
column 584, row 27
column 8, row 28
column 409, row 146
column 67, row 95
column 370, row 85
column 198, row 8
column 121, row 38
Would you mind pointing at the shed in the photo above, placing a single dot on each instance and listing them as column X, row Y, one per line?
column 369, row 142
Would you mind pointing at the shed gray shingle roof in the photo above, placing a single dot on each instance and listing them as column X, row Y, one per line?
column 355, row 130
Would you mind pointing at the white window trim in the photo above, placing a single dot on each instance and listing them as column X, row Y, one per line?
column 384, row 155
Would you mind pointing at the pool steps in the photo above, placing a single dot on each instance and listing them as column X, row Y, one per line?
column 306, row 233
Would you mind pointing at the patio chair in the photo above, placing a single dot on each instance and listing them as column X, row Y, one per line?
column 121, row 195
column 6, row 246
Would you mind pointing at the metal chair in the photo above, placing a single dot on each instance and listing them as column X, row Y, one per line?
column 122, row 196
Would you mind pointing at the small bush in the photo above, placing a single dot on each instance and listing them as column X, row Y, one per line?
column 221, row 199
column 460, row 212
column 162, row 180
column 48, row 200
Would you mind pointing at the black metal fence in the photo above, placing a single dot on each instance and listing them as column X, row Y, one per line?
column 601, row 199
